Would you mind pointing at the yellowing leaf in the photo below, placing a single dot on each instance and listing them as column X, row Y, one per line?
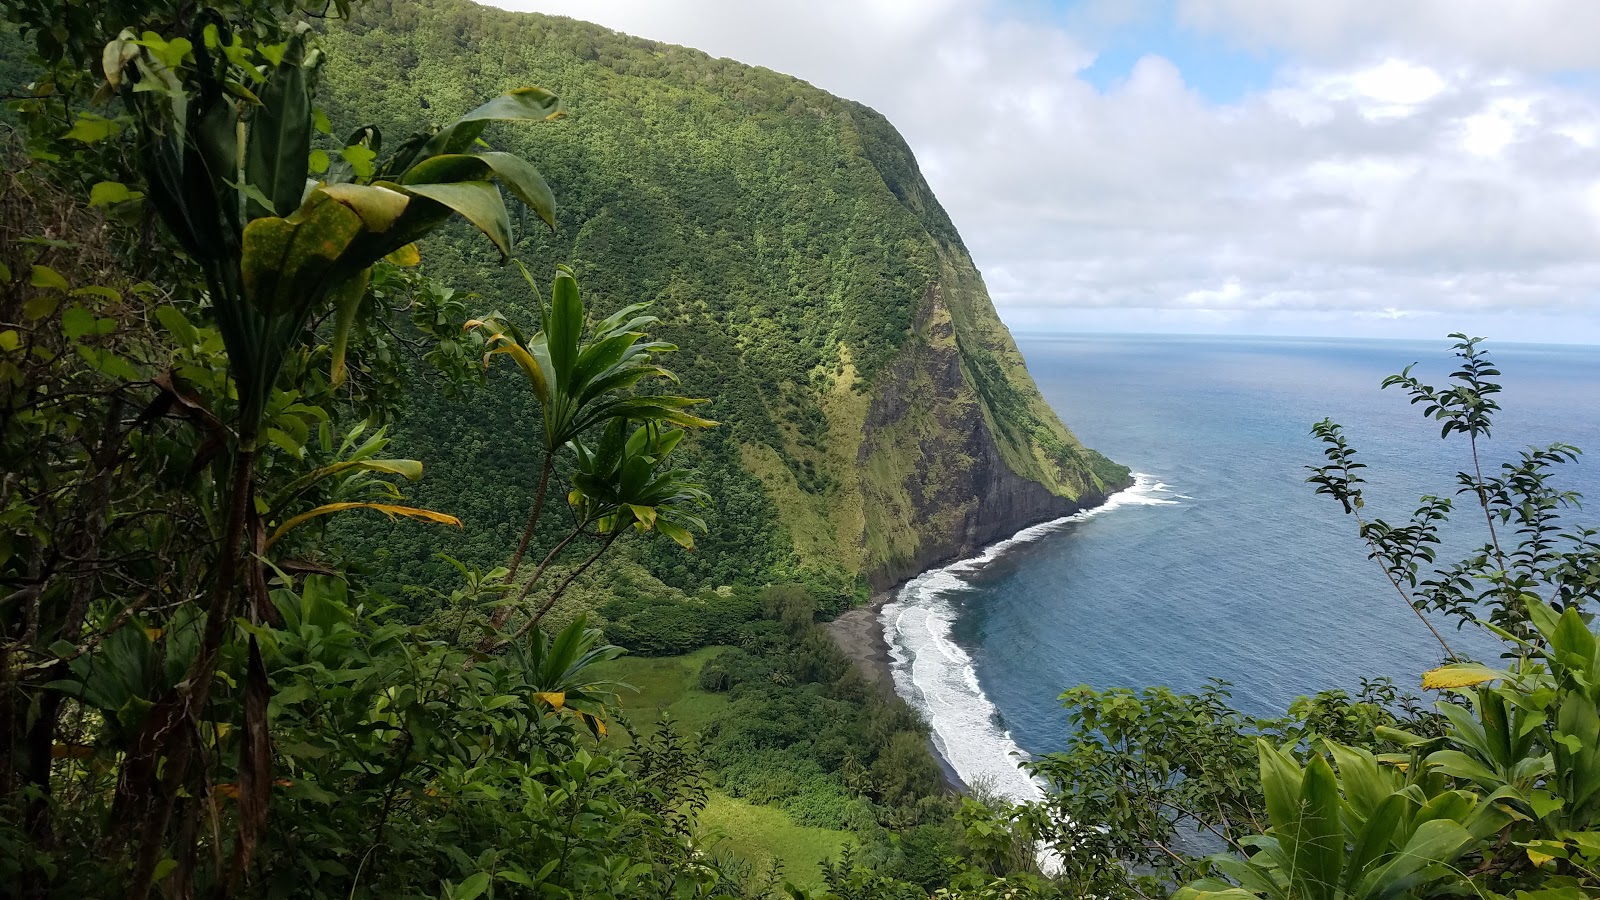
column 556, row 699
column 387, row 509
column 377, row 206
column 406, row 256
column 1457, row 675
column 10, row 340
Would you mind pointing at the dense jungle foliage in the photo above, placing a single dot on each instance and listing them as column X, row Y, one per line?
column 785, row 237
column 225, row 306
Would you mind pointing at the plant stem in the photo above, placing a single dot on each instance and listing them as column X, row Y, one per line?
column 562, row 589
column 489, row 641
column 158, row 765
column 503, row 614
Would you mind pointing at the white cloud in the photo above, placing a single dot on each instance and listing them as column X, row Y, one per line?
column 1395, row 176
column 1530, row 35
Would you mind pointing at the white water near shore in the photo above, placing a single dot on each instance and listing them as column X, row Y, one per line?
column 936, row 676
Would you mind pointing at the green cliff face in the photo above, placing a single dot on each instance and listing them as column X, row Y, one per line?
column 877, row 415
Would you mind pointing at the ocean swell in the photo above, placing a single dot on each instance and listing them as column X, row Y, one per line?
column 937, row 677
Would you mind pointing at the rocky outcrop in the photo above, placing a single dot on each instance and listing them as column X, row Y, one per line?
column 949, row 492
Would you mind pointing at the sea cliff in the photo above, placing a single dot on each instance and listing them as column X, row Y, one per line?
column 876, row 415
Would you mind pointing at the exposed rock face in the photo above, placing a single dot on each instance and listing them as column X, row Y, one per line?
column 954, row 493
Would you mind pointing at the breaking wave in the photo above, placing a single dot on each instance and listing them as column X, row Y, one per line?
column 937, row 677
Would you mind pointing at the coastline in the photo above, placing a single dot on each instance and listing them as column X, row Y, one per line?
column 859, row 634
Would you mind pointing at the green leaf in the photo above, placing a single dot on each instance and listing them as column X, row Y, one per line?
column 9, row 340
column 280, row 135
column 524, row 181
column 177, row 325
column 473, row 887
column 360, row 159
column 46, row 277
column 526, row 104
column 77, row 322
column 108, row 192
column 91, row 128
column 40, row 306
column 346, row 302
column 479, row 203
column 564, row 328
column 1319, row 842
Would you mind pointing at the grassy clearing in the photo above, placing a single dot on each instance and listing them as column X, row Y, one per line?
column 664, row 684
column 762, row 834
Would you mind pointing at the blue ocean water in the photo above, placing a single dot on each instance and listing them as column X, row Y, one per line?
column 1222, row 562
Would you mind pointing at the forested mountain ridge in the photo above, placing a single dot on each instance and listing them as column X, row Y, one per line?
column 877, row 416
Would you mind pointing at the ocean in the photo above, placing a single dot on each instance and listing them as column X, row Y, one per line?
column 1221, row 562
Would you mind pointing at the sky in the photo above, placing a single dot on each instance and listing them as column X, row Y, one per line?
column 1355, row 168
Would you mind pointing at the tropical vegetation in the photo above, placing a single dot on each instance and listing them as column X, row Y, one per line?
column 254, row 643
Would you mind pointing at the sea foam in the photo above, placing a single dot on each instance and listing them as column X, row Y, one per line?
column 937, row 677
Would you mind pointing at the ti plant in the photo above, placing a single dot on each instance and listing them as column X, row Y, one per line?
column 225, row 139
column 583, row 381
column 1367, row 832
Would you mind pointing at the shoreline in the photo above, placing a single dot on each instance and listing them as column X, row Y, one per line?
column 859, row 634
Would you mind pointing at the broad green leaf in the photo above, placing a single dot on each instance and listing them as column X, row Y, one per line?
column 527, row 103
column 1319, row 839
column 360, row 159
column 449, row 168
column 479, row 203
column 280, row 134
column 683, row 536
column 77, row 322
column 1374, row 842
column 40, row 306
column 564, row 328
column 472, row 888
column 46, row 277
column 1439, row 841
column 90, row 128
column 524, row 181
column 105, row 193
column 177, row 325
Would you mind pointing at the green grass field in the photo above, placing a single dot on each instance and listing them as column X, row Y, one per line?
column 760, row 834
column 663, row 684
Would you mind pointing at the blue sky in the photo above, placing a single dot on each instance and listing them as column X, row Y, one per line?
column 1337, row 167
